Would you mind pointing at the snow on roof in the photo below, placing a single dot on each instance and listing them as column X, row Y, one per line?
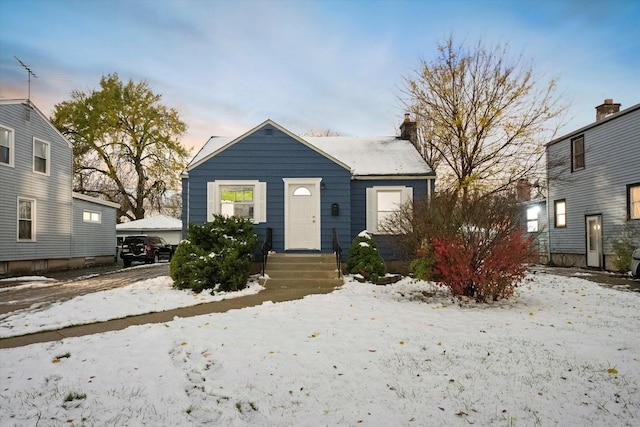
column 378, row 155
column 211, row 146
column 160, row 222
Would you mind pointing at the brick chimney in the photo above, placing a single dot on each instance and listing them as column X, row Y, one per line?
column 523, row 190
column 409, row 129
column 606, row 109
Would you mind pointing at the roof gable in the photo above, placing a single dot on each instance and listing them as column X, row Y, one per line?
column 362, row 156
column 28, row 104
column 216, row 145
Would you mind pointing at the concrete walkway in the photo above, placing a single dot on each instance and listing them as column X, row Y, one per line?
column 268, row 294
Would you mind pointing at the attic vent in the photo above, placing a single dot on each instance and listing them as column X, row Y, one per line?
column 268, row 131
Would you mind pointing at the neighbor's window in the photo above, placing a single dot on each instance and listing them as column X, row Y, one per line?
column 577, row 153
column 89, row 216
column 633, row 197
column 561, row 213
column 40, row 156
column 26, row 220
column 532, row 219
column 382, row 203
column 244, row 199
column 6, row 146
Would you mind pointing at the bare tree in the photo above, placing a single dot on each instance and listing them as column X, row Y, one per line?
column 316, row 132
column 484, row 118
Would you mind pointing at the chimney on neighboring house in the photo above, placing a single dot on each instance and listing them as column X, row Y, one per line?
column 523, row 190
column 606, row 109
column 409, row 129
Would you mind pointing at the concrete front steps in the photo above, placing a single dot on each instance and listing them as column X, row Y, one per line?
column 302, row 271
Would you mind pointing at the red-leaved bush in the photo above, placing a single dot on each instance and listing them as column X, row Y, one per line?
column 486, row 271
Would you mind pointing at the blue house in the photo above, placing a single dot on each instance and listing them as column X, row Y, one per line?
column 303, row 189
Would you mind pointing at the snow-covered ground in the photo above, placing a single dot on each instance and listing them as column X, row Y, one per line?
column 142, row 297
column 563, row 351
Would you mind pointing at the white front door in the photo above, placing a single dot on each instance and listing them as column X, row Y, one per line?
column 302, row 213
column 594, row 241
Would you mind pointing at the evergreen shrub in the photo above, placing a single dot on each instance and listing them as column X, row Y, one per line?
column 216, row 255
column 365, row 259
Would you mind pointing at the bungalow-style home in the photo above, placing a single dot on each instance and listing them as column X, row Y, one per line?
column 45, row 225
column 170, row 229
column 594, row 188
column 303, row 189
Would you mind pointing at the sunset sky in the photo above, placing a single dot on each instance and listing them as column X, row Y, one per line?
column 227, row 66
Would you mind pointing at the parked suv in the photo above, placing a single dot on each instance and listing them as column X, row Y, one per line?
column 148, row 249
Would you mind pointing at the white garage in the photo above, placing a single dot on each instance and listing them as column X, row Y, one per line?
column 170, row 229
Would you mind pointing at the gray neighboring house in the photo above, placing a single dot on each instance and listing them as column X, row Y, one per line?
column 594, row 188
column 170, row 229
column 43, row 224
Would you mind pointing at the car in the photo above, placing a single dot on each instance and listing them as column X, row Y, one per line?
column 635, row 263
column 143, row 248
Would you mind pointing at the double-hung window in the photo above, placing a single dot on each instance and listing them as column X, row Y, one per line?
column 41, row 156
column 560, row 213
column 26, row 220
column 244, row 199
column 532, row 219
column 577, row 153
column 6, row 146
column 633, row 197
column 382, row 204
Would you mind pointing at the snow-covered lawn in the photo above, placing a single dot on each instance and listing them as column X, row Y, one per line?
column 142, row 297
column 564, row 352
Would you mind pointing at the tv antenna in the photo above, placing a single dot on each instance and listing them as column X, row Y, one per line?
column 29, row 74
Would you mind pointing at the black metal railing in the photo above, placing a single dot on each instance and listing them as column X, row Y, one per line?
column 337, row 249
column 266, row 248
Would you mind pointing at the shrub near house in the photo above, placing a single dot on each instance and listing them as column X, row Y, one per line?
column 216, row 255
column 472, row 246
column 364, row 258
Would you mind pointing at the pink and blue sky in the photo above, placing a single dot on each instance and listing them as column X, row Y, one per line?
column 227, row 66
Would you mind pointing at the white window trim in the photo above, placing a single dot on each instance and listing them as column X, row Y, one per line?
column 33, row 157
column 33, row 219
column 406, row 194
column 533, row 214
column 259, row 198
column 557, row 215
column 12, row 145
column 91, row 217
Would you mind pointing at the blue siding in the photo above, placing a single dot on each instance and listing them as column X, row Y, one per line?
column 270, row 158
column 359, row 208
